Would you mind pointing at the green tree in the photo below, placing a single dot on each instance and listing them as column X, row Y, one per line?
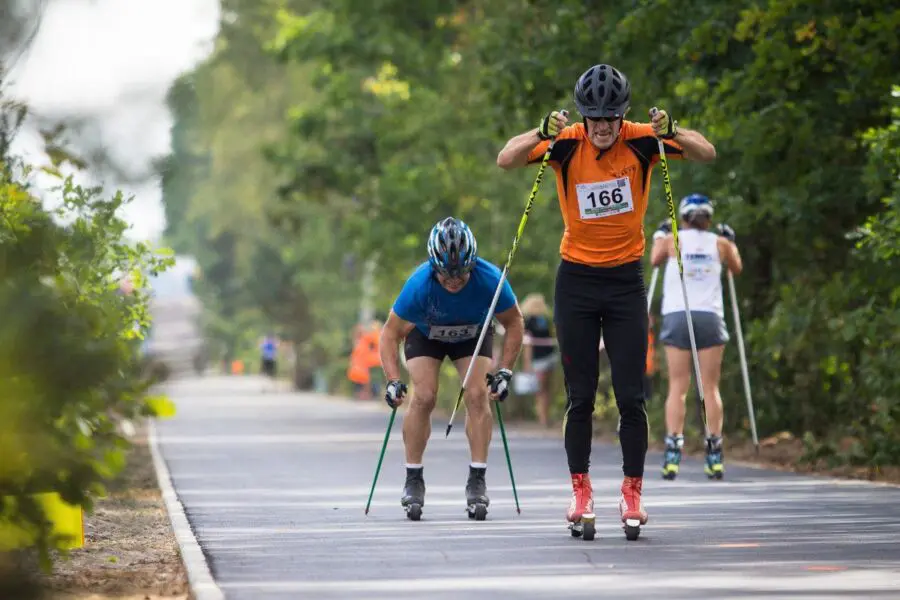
column 371, row 121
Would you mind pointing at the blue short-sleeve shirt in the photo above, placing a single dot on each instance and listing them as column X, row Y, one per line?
column 452, row 317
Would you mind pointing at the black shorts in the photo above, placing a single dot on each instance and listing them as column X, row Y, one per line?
column 417, row 344
column 268, row 367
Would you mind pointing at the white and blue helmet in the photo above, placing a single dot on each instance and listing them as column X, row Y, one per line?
column 693, row 204
column 452, row 249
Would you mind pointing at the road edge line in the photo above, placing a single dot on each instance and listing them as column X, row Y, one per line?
column 200, row 579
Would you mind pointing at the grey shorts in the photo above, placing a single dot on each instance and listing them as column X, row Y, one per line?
column 541, row 365
column 709, row 330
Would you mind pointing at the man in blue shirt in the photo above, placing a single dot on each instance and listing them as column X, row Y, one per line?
column 439, row 313
column 268, row 358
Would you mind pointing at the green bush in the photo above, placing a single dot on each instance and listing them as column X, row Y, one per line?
column 70, row 362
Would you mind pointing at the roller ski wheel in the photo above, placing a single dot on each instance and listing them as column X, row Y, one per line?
column 477, row 501
column 477, row 511
column 413, row 494
column 632, row 529
column 414, row 511
column 585, row 529
column 715, row 475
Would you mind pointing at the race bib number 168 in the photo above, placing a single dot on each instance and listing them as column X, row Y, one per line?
column 604, row 198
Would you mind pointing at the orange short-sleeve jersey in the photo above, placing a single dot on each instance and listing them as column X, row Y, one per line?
column 603, row 194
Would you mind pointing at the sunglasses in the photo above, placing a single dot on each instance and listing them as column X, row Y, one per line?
column 455, row 276
column 604, row 119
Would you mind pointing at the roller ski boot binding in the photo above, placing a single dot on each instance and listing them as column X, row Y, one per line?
column 413, row 494
column 477, row 501
column 714, row 466
column 672, row 457
column 631, row 509
column 581, row 510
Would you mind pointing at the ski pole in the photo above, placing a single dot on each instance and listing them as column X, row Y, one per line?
column 512, row 479
column 667, row 186
column 741, row 352
column 387, row 435
column 652, row 287
column 512, row 253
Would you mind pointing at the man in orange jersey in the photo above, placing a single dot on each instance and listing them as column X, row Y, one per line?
column 603, row 167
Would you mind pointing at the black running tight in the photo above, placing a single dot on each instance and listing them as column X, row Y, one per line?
column 588, row 301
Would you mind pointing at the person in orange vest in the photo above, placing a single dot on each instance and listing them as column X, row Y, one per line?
column 650, row 368
column 364, row 357
column 372, row 356
column 356, row 371
column 603, row 168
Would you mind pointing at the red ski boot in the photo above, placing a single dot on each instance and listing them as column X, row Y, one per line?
column 631, row 508
column 581, row 510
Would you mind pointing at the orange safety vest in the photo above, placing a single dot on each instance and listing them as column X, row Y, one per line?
column 365, row 356
column 651, row 352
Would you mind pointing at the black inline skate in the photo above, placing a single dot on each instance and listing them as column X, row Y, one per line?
column 476, row 494
column 413, row 494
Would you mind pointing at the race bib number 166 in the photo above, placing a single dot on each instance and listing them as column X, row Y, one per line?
column 604, row 198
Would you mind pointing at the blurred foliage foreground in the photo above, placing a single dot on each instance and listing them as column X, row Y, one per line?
column 70, row 364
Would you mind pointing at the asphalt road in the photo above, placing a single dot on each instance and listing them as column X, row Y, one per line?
column 275, row 484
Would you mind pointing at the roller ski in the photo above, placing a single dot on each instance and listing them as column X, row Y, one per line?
column 413, row 494
column 672, row 456
column 580, row 515
column 631, row 509
column 477, row 501
column 714, row 466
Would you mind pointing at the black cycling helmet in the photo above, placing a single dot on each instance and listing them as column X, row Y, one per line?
column 602, row 91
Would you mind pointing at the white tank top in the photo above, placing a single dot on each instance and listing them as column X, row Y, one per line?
column 702, row 275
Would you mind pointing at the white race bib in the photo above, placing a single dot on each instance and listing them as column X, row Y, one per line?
column 699, row 266
column 452, row 333
column 604, row 198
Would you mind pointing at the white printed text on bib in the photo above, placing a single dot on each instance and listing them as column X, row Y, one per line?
column 604, row 198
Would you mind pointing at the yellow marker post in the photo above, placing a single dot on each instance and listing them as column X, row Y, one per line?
column 67, row 525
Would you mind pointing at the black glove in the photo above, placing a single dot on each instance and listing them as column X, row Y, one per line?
column 394, row 392
column 499, row 383
column 726, row 231
column 664, row 229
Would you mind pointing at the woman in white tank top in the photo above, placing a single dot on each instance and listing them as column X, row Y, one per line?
column 703, row 255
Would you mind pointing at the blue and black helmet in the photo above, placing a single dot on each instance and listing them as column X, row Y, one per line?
column 695, row 204
column 451, row 247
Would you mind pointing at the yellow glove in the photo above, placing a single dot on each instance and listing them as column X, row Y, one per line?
column 663, row 126
column 552, row 124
